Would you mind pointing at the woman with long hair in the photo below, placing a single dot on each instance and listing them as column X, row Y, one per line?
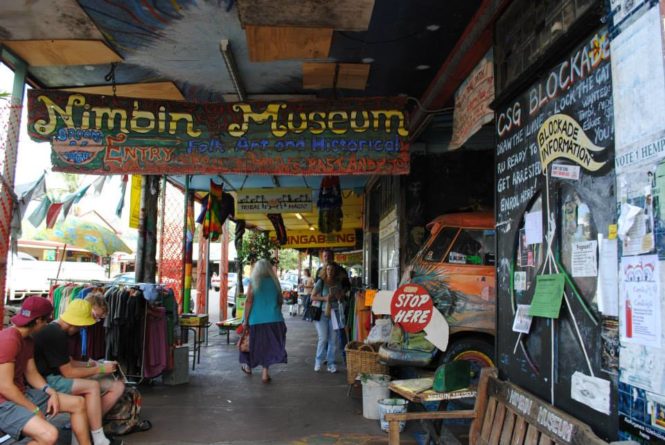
column 263, row 318
column 326, row 293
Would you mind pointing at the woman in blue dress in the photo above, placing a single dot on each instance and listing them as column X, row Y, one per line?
column 263, row 317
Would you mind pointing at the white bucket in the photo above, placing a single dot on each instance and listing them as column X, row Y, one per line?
column 375, row 388
column 390, row 406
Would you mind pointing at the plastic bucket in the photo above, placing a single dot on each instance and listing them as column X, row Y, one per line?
column 375, row 388
column 390, row 406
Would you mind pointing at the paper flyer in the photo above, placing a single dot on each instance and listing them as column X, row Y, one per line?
column 591, row 391
column 523, row 320
column 640, row 314
column 584, row 259
column 519, row 281
column 533, row 225
column 607, row 290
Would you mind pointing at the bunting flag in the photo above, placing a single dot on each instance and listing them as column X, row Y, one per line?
column 212, row 226
column 52, row 214
column 33, row 191
column 39, row 214
column 73, row 198
column 98, row 184
column 278, row 223
column 121, row 203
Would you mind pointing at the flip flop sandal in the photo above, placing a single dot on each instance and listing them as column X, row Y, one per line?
column 246, row 369
column 268, row 380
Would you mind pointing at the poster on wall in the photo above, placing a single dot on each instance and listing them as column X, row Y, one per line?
column 637, row 66
column 584, row 259
column 640, row 301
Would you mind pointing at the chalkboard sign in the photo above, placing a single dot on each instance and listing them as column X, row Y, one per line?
column 563, row 122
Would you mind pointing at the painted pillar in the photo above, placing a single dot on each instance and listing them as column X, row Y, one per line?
column 202, row 276
column 188, row 243
column 146, row 252
column 224, row 273
column 7, row 196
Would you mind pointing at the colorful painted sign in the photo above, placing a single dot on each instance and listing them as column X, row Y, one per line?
column 472, row 102
column 278, row 200
column 411, row 307
column 108, row 135
column 303, row 239
column 561, row 136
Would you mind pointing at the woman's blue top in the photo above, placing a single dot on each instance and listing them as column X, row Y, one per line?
column 265, row 307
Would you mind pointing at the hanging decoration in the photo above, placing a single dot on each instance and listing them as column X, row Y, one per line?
column 330, row 205
column 212, row 226
column 278, row 223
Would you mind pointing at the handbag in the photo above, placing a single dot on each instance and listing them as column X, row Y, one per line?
column 313, row 313
column 243, row 344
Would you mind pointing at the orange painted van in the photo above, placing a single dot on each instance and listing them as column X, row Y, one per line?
column 457, row 267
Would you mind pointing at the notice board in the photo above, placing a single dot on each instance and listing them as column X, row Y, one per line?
column 563, row 122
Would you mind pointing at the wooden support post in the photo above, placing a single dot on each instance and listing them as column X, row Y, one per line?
column 146, row 252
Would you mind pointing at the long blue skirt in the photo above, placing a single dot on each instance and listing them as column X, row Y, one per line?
column 267, row 345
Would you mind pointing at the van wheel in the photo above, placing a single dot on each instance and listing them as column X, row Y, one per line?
column 478, row 351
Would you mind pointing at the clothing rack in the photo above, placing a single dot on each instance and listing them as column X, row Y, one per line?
column 137, row 378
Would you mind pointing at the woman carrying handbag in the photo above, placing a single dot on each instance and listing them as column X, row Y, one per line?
column 263, row 323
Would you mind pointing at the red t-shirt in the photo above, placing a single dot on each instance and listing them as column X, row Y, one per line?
column 18, row 350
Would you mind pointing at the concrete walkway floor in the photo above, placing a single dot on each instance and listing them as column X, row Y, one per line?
column 223, row 405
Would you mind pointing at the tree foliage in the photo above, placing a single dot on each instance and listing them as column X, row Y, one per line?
column 257, row 246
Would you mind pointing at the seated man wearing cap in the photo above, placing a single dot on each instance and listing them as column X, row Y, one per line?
column 23, row 409
column 90, row 379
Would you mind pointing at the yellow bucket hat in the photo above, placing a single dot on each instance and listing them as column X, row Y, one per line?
column 78, row 313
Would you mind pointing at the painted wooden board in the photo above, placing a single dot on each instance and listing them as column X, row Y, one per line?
column 46, row 19
column 150, row 90
column 63, row 52
column 353, row 76
column 343, row 15
column 318, row 76
column 267, row 43
column 104, row 135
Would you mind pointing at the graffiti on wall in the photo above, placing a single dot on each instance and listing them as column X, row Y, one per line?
column 105, row 135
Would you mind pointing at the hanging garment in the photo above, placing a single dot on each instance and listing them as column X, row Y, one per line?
column 330, row 205
column 212, row 226
column 278, row 223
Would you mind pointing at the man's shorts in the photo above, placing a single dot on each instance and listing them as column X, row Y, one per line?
column 64, row 385
column 13, row 417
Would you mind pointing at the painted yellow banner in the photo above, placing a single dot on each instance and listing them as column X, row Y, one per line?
column 135, row 201
column 561, row 136
column 277, row 200
column 303, row 239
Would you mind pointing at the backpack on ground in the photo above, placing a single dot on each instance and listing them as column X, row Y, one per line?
column 124, row 417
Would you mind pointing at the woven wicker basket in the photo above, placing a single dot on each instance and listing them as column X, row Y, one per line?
column 362, row 358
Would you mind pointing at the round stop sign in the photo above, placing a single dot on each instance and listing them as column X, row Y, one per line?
column 411, row 307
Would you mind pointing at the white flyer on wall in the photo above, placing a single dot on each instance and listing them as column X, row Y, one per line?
column 520, row 281
column 607, row 291
column 522, row 322
column 640, row 314
column 591, row 391
column 533, row 226
column 584, row 259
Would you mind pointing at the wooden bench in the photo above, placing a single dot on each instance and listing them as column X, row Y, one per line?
column 228, row 325
column 504, row 413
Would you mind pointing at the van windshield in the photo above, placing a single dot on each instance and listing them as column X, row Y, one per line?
column 473, row 247
column 441, row 244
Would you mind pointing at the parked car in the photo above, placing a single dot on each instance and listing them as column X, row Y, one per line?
column 457, row 267
column 124, row 278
